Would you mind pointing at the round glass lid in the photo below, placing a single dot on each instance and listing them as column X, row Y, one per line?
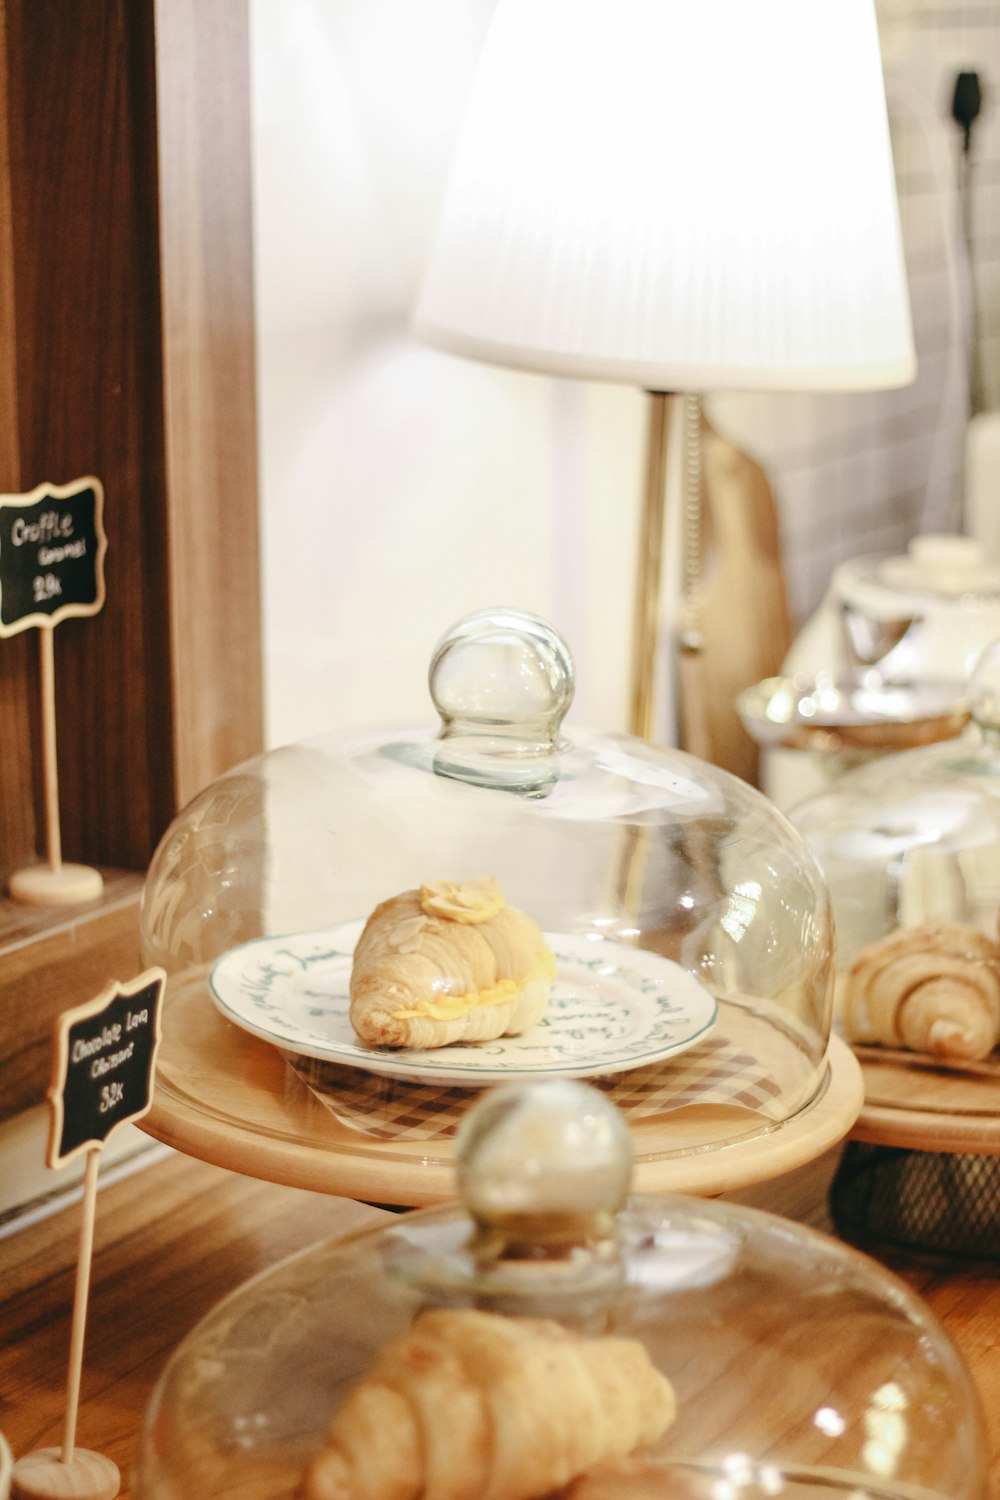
column 559, row 1337
column 407, row 912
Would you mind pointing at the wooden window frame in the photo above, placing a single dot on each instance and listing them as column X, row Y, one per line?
column 127, row 352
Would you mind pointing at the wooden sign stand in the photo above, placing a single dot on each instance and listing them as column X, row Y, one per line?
column 6, row 1467
column 54, row 883
column 105, row 1057
column 52, row 547
column 67, row 1471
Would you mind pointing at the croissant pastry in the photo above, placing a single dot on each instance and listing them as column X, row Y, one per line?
column 468, row 1405
column 933, row 989
column 447, row 963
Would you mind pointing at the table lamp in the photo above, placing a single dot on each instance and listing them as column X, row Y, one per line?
column 684, row 195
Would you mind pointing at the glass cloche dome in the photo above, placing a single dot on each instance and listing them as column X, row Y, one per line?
column 688, row 922
column 557, row 1336
column 910, row 846
column 912, row 841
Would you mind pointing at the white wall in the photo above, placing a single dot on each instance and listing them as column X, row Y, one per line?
column 402, row 487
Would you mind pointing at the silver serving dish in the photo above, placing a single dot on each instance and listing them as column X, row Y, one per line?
column 827, row 714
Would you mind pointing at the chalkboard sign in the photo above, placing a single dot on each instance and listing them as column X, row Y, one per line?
column 52, row 547
column 105, row 1056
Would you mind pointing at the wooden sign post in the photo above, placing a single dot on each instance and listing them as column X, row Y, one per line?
column 105, row 1056
column 52, row 547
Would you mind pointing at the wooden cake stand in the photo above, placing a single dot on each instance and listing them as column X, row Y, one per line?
column 231, row 1099
column 916, row 1104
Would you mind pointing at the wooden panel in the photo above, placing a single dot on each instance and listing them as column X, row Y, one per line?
column 10, row 473
column 82, row 191
column 17, row 810
column 49, row 965
column 136, row 366
column 206, row 228
column 126, row 351
column 17, row 813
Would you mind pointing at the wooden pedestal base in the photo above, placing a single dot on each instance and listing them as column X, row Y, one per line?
column 42, row 1475
column 67, row 885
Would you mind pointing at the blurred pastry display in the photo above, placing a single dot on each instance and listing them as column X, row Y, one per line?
column 556, row 1335
column 881, row 666
column 448, row 962
column 910, row 846
column 922, row 616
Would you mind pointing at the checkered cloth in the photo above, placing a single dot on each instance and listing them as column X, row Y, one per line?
column 715, row 1071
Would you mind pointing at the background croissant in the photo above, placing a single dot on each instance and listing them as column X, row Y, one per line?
column 468, row 1405
column 933, row 989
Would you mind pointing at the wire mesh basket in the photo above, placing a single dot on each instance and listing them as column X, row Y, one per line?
column 932, row 1202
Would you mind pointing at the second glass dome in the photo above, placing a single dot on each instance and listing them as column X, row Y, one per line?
column 772, row 1362
column 690, row 923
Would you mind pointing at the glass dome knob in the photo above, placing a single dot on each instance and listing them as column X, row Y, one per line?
column 502, row 674
column 543, row 1169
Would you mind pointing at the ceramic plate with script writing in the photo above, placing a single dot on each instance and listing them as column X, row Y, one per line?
column 611, row 1008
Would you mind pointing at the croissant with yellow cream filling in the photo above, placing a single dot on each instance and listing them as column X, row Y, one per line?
column 468, row 1405
column 450, row 962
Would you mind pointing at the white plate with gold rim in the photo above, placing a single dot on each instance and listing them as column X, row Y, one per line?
column 612, row 1008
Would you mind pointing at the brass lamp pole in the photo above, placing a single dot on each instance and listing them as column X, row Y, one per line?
column 650, row 565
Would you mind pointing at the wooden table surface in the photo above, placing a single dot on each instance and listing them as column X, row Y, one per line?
column 175, row 1237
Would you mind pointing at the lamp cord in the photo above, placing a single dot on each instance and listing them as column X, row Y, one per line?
column 966, row 107
column 691, row 638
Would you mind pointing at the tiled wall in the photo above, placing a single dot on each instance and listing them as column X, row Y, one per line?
column 864, row 473
column 959, row 36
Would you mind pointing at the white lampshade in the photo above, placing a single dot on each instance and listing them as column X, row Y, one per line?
column 681, row 194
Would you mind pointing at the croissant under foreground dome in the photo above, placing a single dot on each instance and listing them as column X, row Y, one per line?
column 472, row 1406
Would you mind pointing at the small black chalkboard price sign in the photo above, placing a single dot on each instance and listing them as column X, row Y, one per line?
column 52, row 547
column 105, row 1053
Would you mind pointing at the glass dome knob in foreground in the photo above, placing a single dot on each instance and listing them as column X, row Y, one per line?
column 549, row 1164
